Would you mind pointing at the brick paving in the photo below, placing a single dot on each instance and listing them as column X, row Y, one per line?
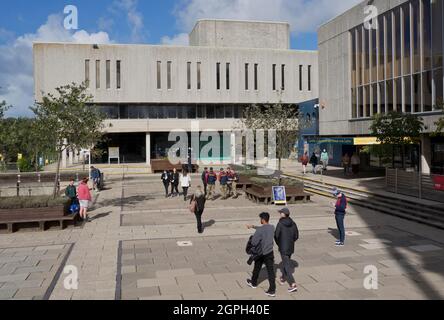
column 130, row 251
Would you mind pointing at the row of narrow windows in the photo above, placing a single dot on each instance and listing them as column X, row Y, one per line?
column 248, row 67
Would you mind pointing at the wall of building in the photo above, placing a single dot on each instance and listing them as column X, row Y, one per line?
column 58, row 64
column 241, row 34
column 335, row 73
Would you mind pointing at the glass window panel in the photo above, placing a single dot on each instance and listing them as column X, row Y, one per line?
column 199, row 75
column 359, row 56
column 416, row 37
column 228, row 75
column 191, row 112
column 300, row 77
column 172, row 112
column 381, row 39
column 398, row 94
column 360, row 102
column 220, row 111
column 108, row 74
column 189, row 75
column 374, row 54
column 246, row 76
column 427, row 39
column 283, row 77
column 354, row 104
column 201, row 112
column 159, row 75
column 389, row 43
column 309, row 78
column 374, row 99
column 228, row 111
column 382, row 102
column 408, row 94
column 143, row 112
column 407, row 37
column 123, row 112
column 210, row 111
column 218, row 76
column 152, row 112
column 437, row 32
column 438, row 86
column 367, row 101
column 118, row 74
column 133, row 112
column 256, row 70
column 237, row 111
column 389, row 95
column 427, row 89
column 169, row 82
column 274, row 77
column 87, row 73
column 417, row 92
column 110, row 112
column 97, row 74
column 397, row 37
column 353, row 58
column 366, row 56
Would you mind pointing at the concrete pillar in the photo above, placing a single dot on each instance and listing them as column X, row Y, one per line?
column 71, row 158
column 148, row 148
column 233, row 148
column 64, row 156
column 426, row 154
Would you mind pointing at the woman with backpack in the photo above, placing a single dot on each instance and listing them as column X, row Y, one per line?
column 198, row 206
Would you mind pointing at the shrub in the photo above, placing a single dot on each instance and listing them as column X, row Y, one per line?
column 31, row 202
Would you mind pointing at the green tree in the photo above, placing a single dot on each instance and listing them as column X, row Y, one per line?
column 67, row 121
column 397, row 129
column 3, row 133
column 284, row 119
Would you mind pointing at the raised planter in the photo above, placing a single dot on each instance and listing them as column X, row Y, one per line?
column 158, row 166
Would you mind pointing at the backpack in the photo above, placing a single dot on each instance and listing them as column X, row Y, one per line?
column 74, row 208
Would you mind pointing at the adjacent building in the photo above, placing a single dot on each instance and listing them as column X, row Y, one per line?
column 146, row 91
column 392, row 63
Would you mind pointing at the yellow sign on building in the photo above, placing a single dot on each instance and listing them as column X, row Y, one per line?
column 366, row 141
column 19, row 156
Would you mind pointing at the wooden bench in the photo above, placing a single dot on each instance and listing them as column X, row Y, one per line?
column 42, row 216
column 260, row 195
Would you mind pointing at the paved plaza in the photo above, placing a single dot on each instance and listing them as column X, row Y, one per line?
column 143, row 246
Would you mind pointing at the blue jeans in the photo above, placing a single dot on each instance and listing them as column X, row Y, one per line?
column 340, row 224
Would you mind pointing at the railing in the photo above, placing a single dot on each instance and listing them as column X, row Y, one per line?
column 413, row 184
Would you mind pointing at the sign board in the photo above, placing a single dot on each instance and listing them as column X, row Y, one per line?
column 342, row 141
column 279, row 196
column 114, row 154
column 438, row 181
column 19, row 156
column 366, row 141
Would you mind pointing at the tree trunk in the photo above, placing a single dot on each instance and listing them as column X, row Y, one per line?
column 56, row 180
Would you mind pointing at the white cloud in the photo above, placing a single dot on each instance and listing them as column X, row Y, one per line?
column 181, row 39
column 303, row 15
column 16, row 62
column 133, row 16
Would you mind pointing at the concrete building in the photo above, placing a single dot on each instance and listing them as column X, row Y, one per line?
column 148, row 90
column 393, row 62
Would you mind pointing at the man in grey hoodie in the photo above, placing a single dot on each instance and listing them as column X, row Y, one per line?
column 264, row 235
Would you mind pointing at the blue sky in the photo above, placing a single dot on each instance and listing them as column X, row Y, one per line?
column 134, row 21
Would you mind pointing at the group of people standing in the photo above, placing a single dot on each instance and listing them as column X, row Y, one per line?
column 352, row 163
column 315, row 161
column 80, row 198
column 227, row 179
column 172, row 180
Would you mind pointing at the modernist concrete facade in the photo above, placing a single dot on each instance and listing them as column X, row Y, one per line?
column 395, row 65
column 148, row 89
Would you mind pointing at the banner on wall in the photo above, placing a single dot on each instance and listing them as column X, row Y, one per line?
column 439, row 183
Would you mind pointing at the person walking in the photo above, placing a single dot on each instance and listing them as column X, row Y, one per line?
column 325, row 159
column 314, row 162
column 233, row 179
column 95, row 176
column 199, row 206
column 84, row 196
column 212, row 178
column 185, row 182
column 304, row 160
column 166, row 178
column 346, row 163
column 174, row 183
column 340, row 211
column 286, row 235
column 264, row 236
column 204, row 179
column 223, row 180
column 355, row 162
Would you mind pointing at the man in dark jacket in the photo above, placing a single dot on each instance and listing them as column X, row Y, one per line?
column 204, row 178
column 264, row 237
column 286, row 235
column 174, row 183
column 166, row 182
